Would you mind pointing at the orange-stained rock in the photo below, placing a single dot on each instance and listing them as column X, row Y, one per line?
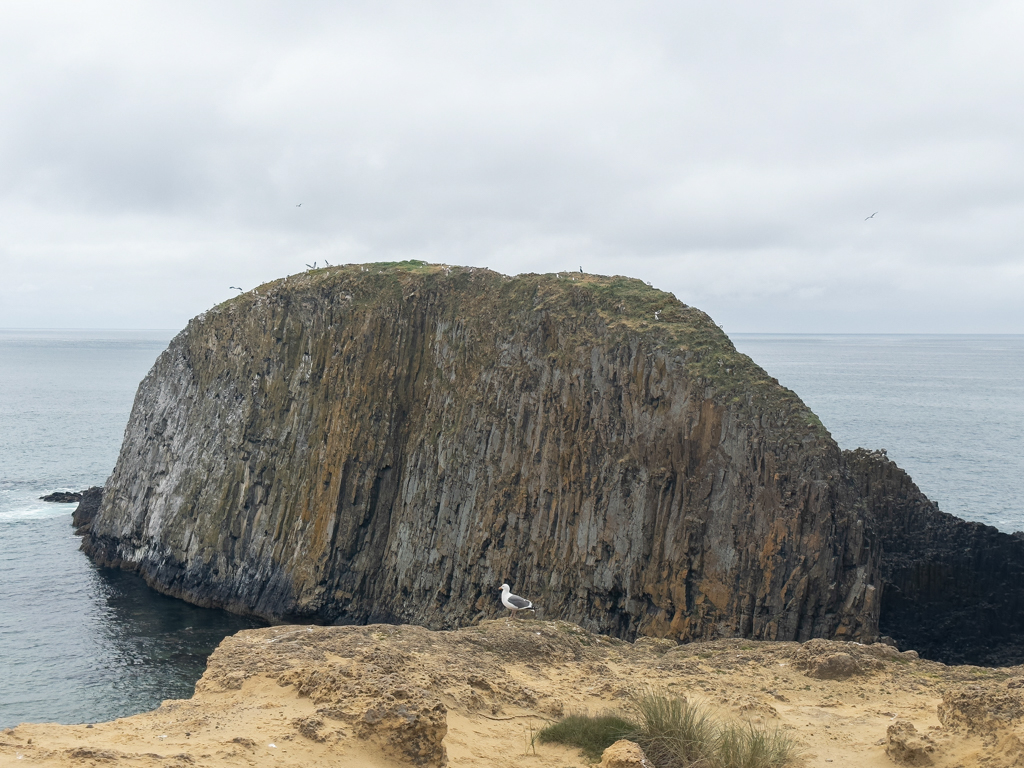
column 393, row 442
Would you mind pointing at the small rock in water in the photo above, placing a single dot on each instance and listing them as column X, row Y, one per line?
column 62, row 497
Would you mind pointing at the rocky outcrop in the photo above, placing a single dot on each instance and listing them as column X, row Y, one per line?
column 393, row 442
column 952, row 589
column 624, row 754
column 980, row 708
column 88, row 506
column 829, row 660
column 62, row 497
column 350, row 446
column 906, row 746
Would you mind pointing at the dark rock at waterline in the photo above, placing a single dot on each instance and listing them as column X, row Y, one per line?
column 62, row 497
column 86, row 510
column 953, row 590
column 391, row 444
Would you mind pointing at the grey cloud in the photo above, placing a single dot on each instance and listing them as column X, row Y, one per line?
column 727, row 152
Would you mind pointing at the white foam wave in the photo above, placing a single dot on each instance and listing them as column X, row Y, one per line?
column 22, row 505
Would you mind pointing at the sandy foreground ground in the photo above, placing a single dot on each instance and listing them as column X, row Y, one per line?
column 382, row 696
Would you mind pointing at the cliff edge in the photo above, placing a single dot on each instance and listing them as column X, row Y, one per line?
column 388, row 696
column 390, row 443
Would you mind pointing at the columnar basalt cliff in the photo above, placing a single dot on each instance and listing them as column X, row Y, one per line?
column 952, row 589
column 392, row 442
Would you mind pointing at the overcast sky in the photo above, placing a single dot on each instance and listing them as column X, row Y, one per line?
column 153, row 154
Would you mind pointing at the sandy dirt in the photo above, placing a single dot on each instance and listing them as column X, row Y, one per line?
column 402, row 695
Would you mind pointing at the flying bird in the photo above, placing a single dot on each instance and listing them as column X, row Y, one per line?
column 299, row 205
column 327, row 263
column 514, row 602
column 581, row 270
column 312, row 266
column 871, row 216
column 235, row 287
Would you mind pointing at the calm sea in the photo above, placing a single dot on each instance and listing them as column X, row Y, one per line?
column 82, row 644
column 79, row 643
column 948, row 409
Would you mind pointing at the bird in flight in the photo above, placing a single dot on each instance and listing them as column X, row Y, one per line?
column 312, row 266
column 235, row 287
column 871, row 216
column 299, row 205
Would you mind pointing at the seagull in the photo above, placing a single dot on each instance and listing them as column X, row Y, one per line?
column 235, row 287
column 312, row 266
column 871, row 216
column 581, row 270
column 327, row 263
column 514, row 602
column 299, row 205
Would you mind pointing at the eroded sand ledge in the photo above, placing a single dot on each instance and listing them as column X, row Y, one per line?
column 387, row 695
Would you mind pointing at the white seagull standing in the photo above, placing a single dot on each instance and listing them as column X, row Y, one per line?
column 514, row 602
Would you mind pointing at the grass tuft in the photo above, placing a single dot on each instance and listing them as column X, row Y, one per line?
column 744, row 746
column 675, row 734
column 592, row 734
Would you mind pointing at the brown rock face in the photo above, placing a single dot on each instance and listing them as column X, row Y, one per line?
column 349, row 446
column 391, row 443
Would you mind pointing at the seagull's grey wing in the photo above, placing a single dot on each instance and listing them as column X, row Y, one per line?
column 519, row 602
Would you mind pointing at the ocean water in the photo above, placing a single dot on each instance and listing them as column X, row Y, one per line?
column 80, row 643
column 83, row 644
column 948, row 409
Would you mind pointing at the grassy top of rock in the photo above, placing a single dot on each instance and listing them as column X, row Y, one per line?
column 625, row 308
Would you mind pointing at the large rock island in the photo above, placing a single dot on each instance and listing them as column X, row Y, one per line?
column 391, row 443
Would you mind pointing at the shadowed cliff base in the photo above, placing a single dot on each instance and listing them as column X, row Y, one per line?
column 392, row 442
column 952, row 589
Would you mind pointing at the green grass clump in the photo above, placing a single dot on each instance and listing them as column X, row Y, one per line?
column 592, row 734
column 675, row 734
column 744, row 746
column 672, row 732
